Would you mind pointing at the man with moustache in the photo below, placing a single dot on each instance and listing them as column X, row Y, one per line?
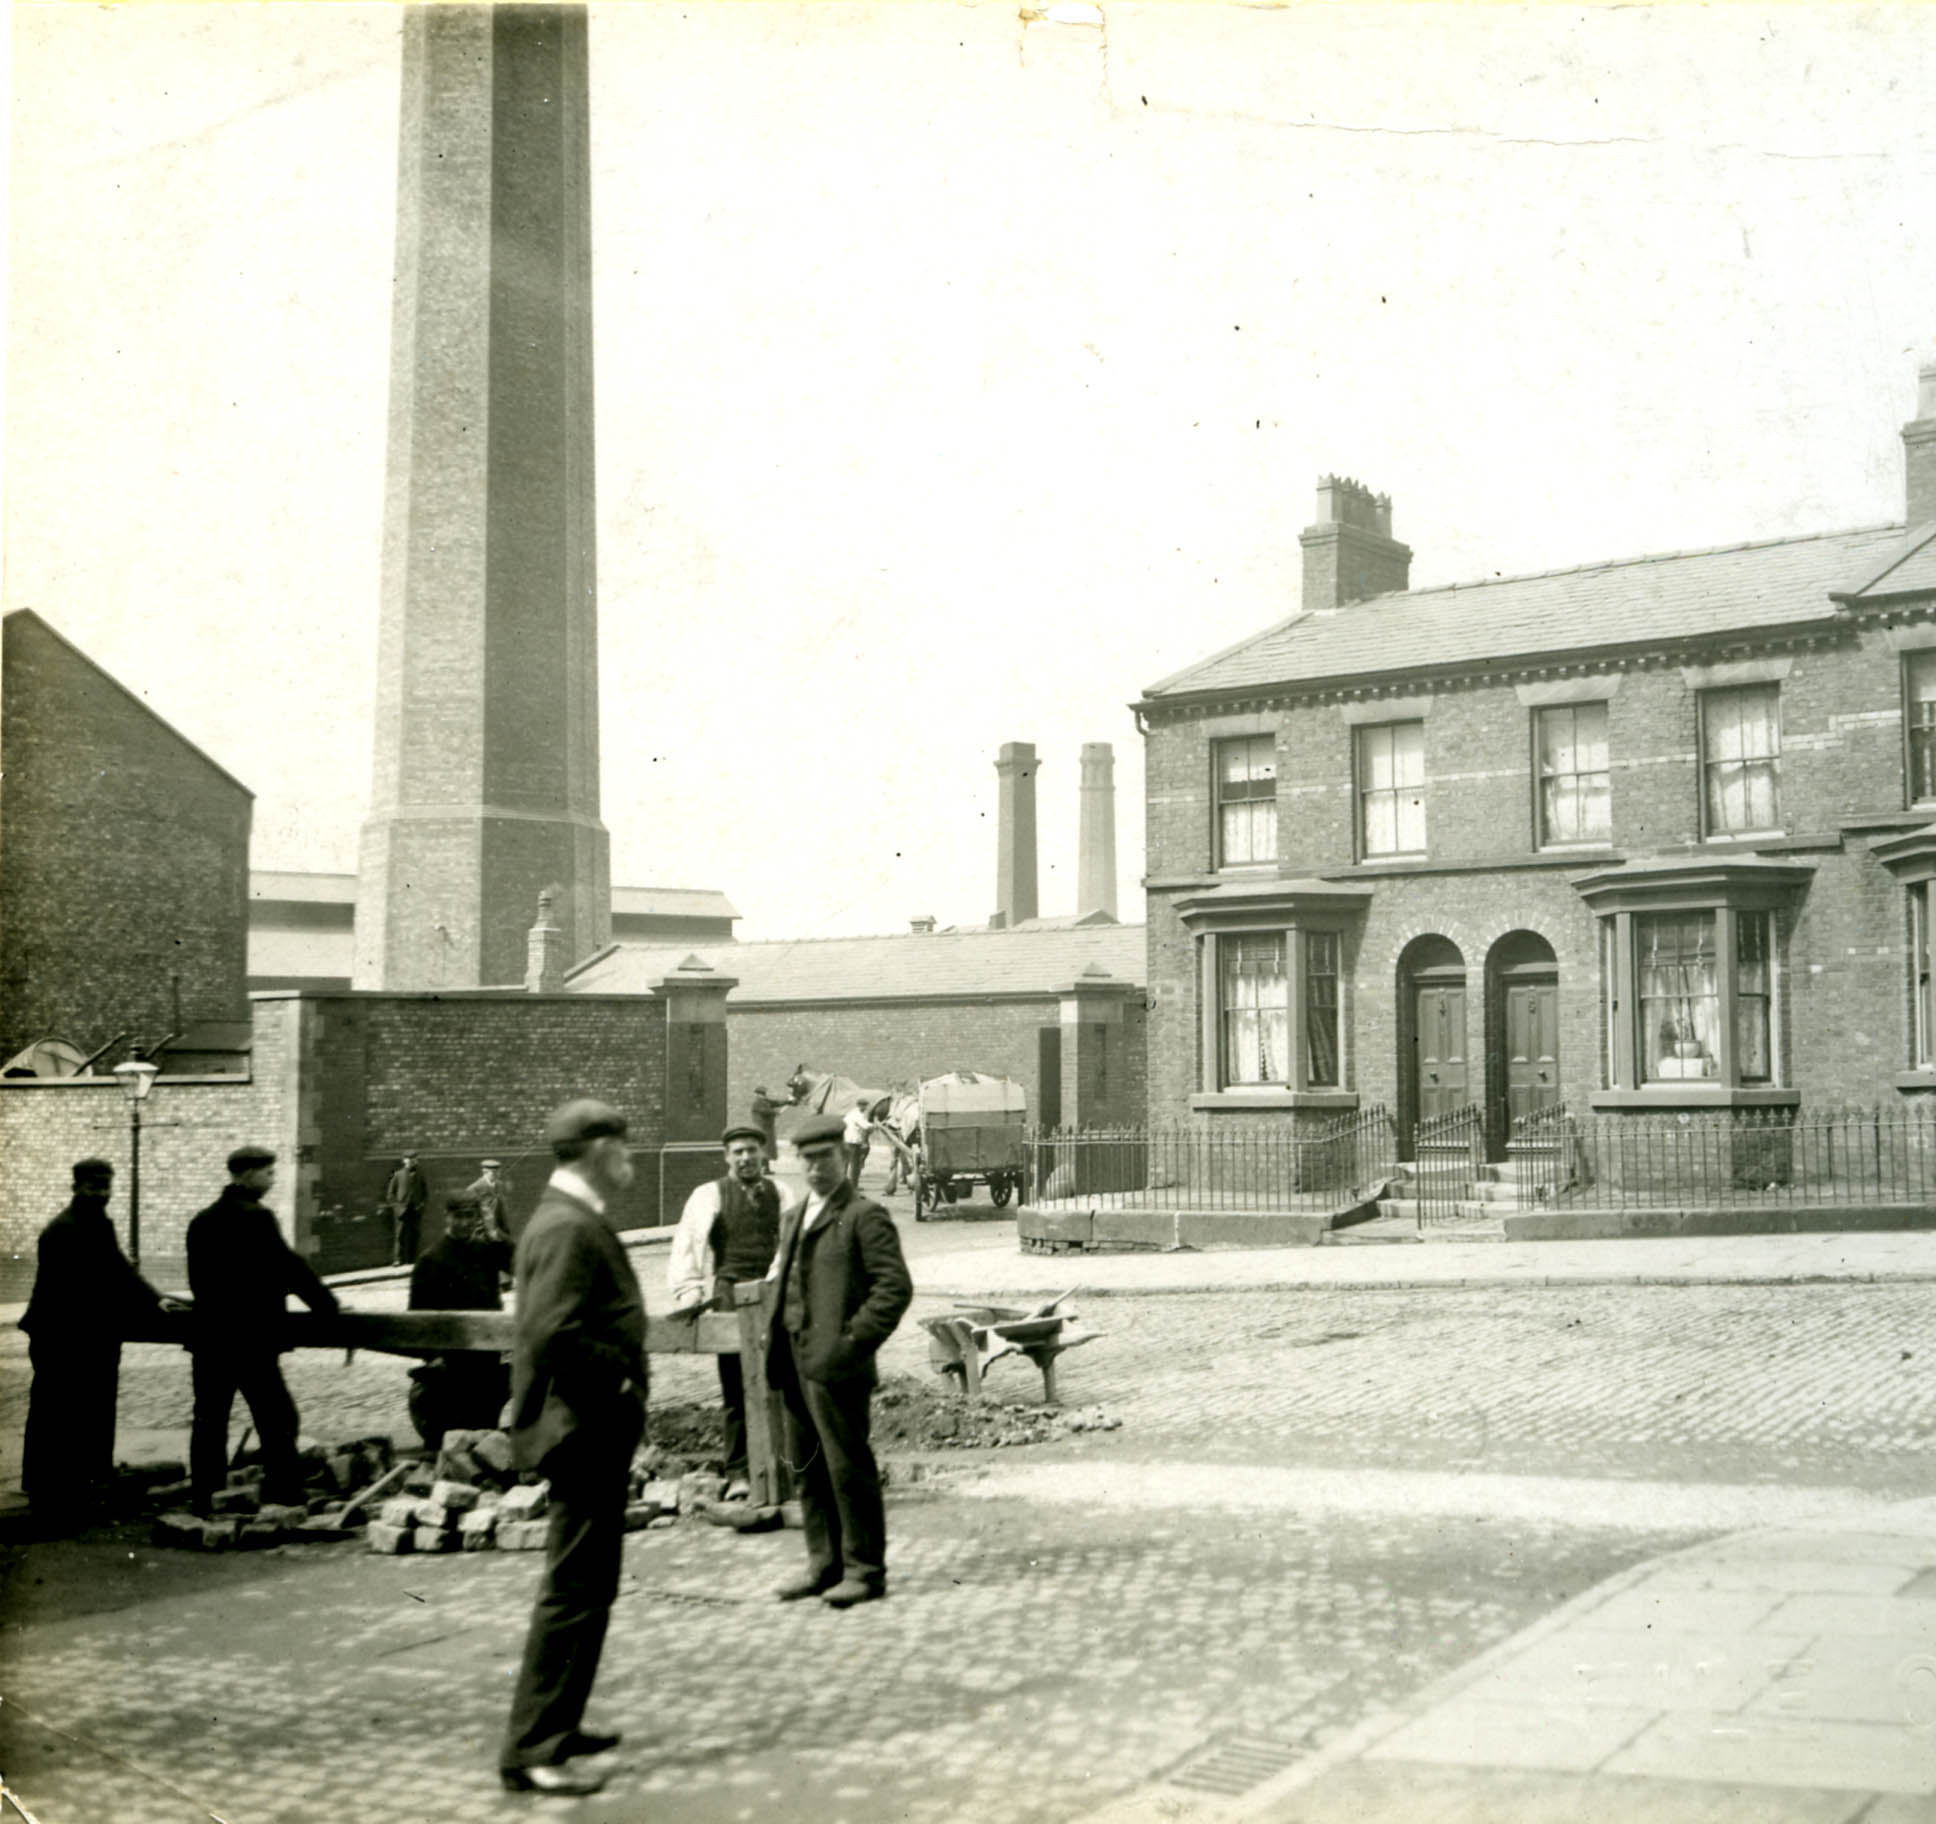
column 727, row 1233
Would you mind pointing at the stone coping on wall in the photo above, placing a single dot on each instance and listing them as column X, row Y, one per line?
column 1746, row 1219
column 1082, row 1226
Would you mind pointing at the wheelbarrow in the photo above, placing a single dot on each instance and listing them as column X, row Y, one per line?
column 965, row 1342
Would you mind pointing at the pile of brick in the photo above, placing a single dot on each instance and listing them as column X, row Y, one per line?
column 472, row 1499
column 240, row 1520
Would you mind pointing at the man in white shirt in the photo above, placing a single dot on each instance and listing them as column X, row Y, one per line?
column 856, row 1133
column 726, row 1234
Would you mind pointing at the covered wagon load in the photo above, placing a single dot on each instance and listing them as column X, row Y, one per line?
column 973, row 1130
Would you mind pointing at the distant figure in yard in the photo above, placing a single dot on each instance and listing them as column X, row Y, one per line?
column 727, row 1233
column 856, row 1130
column 462, row 1271
column 492, row 1191
column 242, row 1272
column 85, row 1297
column 406, row 1197
column 766, row 1117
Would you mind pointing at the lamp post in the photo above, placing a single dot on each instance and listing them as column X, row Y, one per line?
column 136, row 1078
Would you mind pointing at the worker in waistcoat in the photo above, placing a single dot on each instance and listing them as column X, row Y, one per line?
column 727, row 1233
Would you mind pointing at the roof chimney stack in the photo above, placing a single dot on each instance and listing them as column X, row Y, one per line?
column 922, row 926
column 1919, row 452
column 1350, row 554
column 1096, row 842
column 1015, row 836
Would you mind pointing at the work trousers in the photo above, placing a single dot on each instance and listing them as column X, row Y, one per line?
column 857, row 1163
column 256, row 1374
column 409, row 1237
column 732, row 1399
column 834, row 1470
column 69, row 1449
column 583, row 1552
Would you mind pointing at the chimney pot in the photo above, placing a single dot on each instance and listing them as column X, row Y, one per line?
column 1349, row 553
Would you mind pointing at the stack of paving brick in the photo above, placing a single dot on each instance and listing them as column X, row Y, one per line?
column 472, row 1500
column 238, row 1517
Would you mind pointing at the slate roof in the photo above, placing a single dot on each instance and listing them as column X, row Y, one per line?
column 672, row 902
column 1909, row 569
column 1643, row 602
column 909, row 965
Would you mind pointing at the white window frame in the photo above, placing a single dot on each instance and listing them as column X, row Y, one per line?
column 1364, row 738
column 1544, row 837
column 1715, row 703
column 1259, row 808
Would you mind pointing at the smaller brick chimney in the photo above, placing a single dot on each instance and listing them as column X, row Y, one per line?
column 1096, row 832
column 1919, row 452
column 922, row 926
column 544, row 953
column 1349, row 553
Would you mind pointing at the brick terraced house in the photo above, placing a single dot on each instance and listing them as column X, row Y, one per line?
column 1646, row 835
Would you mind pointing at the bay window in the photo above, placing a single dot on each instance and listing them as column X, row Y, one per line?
column 1271, row 982
column 1692, row 979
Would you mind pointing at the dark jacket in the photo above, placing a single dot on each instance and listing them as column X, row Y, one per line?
column 85, row 1292
column 459, row 1275
column 855, row 1281
column 578, row 1365
column 241, row 1273
column 408, row 1192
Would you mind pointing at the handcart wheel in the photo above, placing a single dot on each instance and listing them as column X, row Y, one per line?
column 923, row 1196
column 1000, row 1189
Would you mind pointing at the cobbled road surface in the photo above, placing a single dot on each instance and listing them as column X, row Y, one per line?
column 1039, row 1656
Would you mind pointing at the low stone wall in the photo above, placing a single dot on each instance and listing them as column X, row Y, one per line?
column 1097, row 1231
column 1749, row 1219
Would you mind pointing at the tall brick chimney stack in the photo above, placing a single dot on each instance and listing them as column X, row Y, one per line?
column 1919, row 451
column 1096, row 842
column 1015, row 836
column 1349, row 553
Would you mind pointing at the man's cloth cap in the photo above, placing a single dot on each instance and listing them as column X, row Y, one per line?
column 491, row 1165
column 818, row 1133
column 93, row 1168
column 250, row 1159
column 743, row 1132
column 584, row 1119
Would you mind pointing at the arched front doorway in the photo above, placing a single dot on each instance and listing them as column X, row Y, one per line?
column 1433, row 1075
column 1522, row 1033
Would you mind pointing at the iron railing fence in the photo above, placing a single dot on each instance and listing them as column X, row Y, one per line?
column 1448, row 1160
column 1216, row 1168
column 1727, row 1158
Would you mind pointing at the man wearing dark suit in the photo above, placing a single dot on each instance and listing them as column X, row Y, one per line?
column 843, row 1286
column 407, row 1196
column 86, row 1297
column 241, row 1272
column 578, row 1385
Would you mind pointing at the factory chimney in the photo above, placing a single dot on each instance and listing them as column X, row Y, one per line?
column 1015, row 836
column 1096, row 842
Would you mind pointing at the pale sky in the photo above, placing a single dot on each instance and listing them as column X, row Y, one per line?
column 959, row 374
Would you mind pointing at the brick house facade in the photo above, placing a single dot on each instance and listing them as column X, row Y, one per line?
column 1651, row 835
column 124, row 858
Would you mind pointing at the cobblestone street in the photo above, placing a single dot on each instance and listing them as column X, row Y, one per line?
column 1190, row 1599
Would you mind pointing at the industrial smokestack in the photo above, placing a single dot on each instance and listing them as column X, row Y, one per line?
column 1015, row 836
column 1096, row 843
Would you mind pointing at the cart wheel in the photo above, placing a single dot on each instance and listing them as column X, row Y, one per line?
column 1001, row 1189
column 923, row 1196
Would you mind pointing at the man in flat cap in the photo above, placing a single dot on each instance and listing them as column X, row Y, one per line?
column 406, row 1197
column 727, row 1233
column 492, row 1190
column 86, row 1297
column 463, row 1270
column 578, row 1386
column 843, row 1287
column 241, row 1272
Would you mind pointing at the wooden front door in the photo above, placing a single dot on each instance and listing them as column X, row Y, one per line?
column 1532, row 1047
column 1441, row 1049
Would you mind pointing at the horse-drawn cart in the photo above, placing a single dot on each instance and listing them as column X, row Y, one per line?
column 972, row 1131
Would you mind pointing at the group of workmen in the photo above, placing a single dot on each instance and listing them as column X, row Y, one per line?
column 578, row 1375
